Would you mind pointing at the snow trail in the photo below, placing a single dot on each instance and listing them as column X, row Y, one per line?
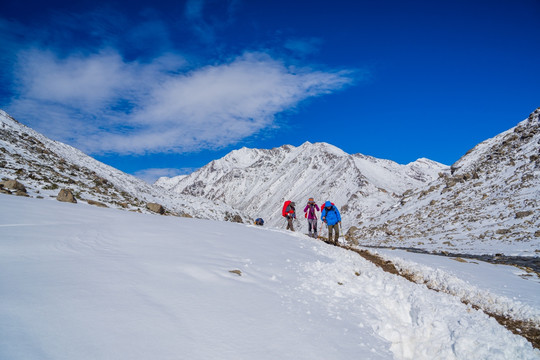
column 419, row 323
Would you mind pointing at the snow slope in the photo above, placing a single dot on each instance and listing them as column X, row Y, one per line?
column 44, row 166
column 488, row 204
column 500, row 289
column 80, row 282
column 258, row 181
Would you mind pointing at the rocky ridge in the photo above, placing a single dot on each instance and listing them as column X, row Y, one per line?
column 44, row 168
column 491, row 196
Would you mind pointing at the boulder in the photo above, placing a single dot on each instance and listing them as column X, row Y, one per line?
column 65, row 195
column 522, row 214
column 13, row 185
column 350, row 238
column 237, row 218
column 157, row 208
column 96, row 203
column 21, row 193
column 233, row 217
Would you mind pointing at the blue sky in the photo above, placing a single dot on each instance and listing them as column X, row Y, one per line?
column 164, row 87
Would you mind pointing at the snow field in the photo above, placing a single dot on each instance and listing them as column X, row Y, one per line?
column 419, row 323
column 501, row 289
column 88, row 283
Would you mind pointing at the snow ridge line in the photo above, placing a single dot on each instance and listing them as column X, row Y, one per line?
column 528, row 329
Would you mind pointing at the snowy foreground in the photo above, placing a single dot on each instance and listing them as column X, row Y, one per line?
column 80, row 282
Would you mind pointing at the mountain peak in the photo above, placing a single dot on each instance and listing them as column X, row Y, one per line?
column 535, row 115
column 425, row 162
column 258, row 181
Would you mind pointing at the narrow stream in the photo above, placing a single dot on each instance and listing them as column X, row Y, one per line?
column 522, row 261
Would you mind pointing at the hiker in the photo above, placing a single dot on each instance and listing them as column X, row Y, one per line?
column 290, row 213
column 259, row 222
column 311, row 216
column 330, row 215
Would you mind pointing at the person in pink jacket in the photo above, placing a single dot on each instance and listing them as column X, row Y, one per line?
column 311, row 216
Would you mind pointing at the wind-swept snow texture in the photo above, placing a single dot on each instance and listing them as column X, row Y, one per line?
column 80, row 282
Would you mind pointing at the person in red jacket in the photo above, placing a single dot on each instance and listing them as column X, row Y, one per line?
column 311, row 216
column 290, row 213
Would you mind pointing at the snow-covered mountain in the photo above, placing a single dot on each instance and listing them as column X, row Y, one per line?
column 45, row 166
column 258, row 181
column 486, row 202
column 489, row 203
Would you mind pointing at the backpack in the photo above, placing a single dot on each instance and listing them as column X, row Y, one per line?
column 259, row 221
column 314, row 211
column 285, row 205
column 324, row 207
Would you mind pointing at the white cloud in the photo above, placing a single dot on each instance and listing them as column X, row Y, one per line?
column 151, row 175
column 82, row 81
column 102, row 103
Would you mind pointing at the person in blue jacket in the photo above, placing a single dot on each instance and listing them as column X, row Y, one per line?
column 331, row 217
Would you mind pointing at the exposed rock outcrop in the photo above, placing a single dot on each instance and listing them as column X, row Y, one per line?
column 157, row 208
column 65, row 195
column 96, row 203
column 13, row 185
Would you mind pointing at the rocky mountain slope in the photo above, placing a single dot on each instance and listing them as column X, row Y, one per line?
column 491, row 197
column 258, row 181
column 33, row 165
column 486, row 202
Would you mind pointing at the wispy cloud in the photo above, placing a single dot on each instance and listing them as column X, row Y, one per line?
column 104, row 104
column 103, row 101
column 151, row 175
column 303, row 47
column 203, row 27
column 194, row 15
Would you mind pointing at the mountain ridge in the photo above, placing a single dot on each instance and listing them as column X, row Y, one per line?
column 258, row 181
column 491, row 196
column 44, row 166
